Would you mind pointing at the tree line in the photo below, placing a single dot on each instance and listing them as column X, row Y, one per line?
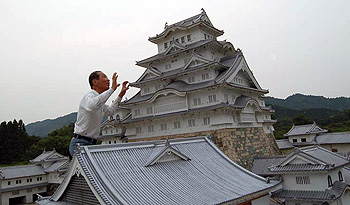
column 17, row 147
column 332, row 120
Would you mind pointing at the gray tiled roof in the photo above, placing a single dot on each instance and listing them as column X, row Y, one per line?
column 327, row 195
column 21, row 171
column 199, row 18
column 321, row 158
column 261, row 164
column 58, row 166
column 48, row 156
column 119, row 174
column 305, row 129
column 180, row 71
column 284, row 144
column 181, row 86
column 333, row 138
column 187, row 47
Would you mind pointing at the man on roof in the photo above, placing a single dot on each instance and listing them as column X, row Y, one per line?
column 92, row 109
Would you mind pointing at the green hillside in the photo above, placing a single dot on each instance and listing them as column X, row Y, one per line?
column 301, row 102
column 42, row 128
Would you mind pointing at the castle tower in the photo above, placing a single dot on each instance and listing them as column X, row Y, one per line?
column 197, row 85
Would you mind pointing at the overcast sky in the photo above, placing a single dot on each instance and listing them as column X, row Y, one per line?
column 48, row 48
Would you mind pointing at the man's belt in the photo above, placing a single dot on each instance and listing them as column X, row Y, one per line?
column 93, row 141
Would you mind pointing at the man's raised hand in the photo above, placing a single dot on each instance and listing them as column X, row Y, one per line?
column 115, row 85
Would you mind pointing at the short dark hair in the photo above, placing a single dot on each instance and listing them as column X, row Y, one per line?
column 94, row 75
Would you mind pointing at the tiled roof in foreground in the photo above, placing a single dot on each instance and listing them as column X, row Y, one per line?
column 318, row 196
column 198, row 173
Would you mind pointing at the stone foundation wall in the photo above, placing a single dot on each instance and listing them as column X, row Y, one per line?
column 239, row 144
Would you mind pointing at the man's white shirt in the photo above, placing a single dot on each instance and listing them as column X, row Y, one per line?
column 91, row 111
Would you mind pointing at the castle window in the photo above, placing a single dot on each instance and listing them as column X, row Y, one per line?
column 226, row 97
column 196, row 101
column 205, row 76
column 137, row 112
column 189, row 37
column 329, row 178
column 149, row 110
column 340, row 176
column 146, row 90
column 177, row 125
column 109, row 142
column 19, row 181
column 9, row 183
column 167, row 66
column 212, row 98
column 191, row 79
column 183, row 39
column 191, row 123
column 29, row 180
column 206, row 121
column 205, row 36
column 302, row 180
column 303, row 139
column 115, row 141
column 150, row 128
column 165, row 45
column 138, row 130
column 163, row 127
column 295, row 140
column 116, row 130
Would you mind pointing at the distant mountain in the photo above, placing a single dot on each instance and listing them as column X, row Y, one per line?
column 42, row 128
column 302, row 102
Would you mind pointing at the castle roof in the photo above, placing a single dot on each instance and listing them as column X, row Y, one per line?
column 312, row 158
column 261, row 164
column 178, row 171
column 333, row 138
column 199, row 19
column 332, row 194
column 305, row 129
column 187, row 47
column 48, row 156
column 21, row 171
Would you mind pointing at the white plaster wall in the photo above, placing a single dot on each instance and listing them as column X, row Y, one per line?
column 317, row 182
column 342, row 148
column 54, row 178
column 24, row 192
column 4, row 183
column 298, row 137
column 262, row 201
column 195, row 36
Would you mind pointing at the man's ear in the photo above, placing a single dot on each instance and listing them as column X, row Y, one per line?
column 94, row 82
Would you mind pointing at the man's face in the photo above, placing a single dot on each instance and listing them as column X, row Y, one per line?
column 102, row 83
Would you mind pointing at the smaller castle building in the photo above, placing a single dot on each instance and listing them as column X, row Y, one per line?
column 21, row 184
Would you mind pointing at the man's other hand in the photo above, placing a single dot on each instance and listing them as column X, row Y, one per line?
column 125, row 87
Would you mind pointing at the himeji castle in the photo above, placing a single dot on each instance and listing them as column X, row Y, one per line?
column 196, row 85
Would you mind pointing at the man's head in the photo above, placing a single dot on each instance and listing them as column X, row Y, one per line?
column 99, row 81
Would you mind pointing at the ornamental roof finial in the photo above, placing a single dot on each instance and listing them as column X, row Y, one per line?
column 202, row 10
column 166, row 25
